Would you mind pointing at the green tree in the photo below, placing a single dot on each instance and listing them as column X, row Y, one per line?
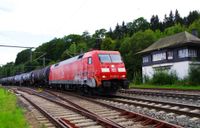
column 169, row 20
column 29, row 66
column 110, row 33
column 108, row 44
column 195, row 25
column 117, row 32
column 177, row 18
column 99, row 33
column 82, row 47
column 130, row 48
column 23, row 56
column 70, row 52
column 193, row 15
column 139, row 24
column 174, row 29
column 154, row 23
column 53, row 50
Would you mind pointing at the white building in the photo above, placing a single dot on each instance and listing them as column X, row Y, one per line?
column 173, row 54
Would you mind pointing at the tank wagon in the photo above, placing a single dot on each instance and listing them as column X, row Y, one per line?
column 97, row 70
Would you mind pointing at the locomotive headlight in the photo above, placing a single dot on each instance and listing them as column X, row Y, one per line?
column 103, row 76
column 123, row 76
column 121, row 70
column 105, row 69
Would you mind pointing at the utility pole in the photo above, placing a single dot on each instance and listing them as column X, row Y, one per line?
column 43, row 61
column 74, row 48
column 31, row 55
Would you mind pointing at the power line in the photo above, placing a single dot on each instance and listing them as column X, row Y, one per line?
column 14, row 46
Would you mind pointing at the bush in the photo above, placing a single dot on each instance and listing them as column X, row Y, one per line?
column 164, row 78
column 194, row 75
column 146, row 79
column 137, row 78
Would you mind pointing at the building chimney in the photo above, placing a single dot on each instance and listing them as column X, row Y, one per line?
column 195, row 32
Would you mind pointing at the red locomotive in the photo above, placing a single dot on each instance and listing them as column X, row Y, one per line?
column 97, row 70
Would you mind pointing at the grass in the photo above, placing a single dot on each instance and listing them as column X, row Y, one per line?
column 11, row 116
column 181, row 87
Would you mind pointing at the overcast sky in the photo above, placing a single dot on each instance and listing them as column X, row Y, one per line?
column 33, row 22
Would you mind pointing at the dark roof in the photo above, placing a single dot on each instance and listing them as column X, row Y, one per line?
column 171, row 41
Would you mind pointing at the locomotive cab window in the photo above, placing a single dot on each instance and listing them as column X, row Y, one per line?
column 116, row 58
column 89, row 60
column 104, row 58
column 108, row 58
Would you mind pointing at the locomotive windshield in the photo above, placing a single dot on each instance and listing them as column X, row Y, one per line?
column 116, row 58
column 104, row 58
column 108, row 58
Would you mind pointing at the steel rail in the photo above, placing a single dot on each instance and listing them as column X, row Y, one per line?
column 157, row 108
column 138, row 117
column 90, row 115
column 45, row 113
column 166, row 94
column 160, row 102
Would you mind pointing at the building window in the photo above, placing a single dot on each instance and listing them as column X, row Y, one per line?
column 192, row 53
column 183, row 53
column 170, row 55
column 187, row 53
column 159, row 56
column 145, row 59
column 162, row 69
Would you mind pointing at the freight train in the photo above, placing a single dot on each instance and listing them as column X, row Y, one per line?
column 97, row 70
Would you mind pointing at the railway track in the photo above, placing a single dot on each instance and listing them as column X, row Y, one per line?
column 183, row 115
column 104, row 112
column 190, row 110
column 182, row 98
column 186, row 117
column 40, row 119
column 63, row 114
column 184, row 91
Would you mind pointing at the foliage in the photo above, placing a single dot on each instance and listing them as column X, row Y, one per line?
column 174, row 29
column 155, row 23
column 195, row 26
column 11, row 116
column 108, row 44
column 23, row 57
column 128, row 38
column 99, row 33
column 29, row 66
column 139, row 24
column 70, row 52
column 137, row 42
column 173, row 86
column 163, row 78
column 194, row 15
column 53, row 50
column 137, row 78
column 194, row 75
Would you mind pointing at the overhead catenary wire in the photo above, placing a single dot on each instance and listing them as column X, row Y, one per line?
column 15, row 46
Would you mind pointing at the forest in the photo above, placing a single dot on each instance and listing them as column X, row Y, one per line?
column 129, row 38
